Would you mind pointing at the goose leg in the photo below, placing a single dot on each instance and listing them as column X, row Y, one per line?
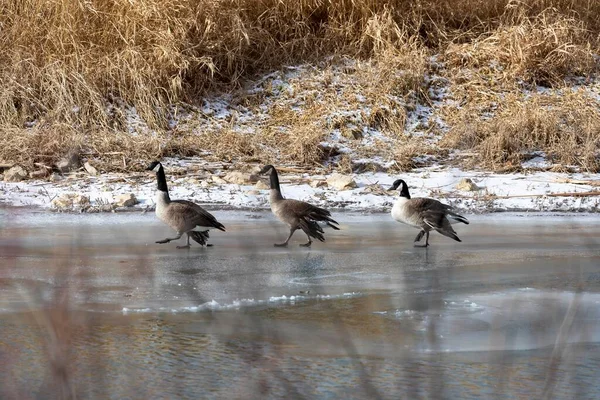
column 167, row 240
column 307, row 244
column 287, row 240
column 420, row 236
column 187, row 246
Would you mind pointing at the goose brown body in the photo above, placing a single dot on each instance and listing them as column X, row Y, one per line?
column 181, row 215
column 425, row 214
column 297, row 214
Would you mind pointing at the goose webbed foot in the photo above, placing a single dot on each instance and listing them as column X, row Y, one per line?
column 307, row 244
column 284, row 244
column 167, row 240
column 187, row 246
column 421, row 245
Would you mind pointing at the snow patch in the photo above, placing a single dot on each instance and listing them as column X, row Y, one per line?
column 499, row 192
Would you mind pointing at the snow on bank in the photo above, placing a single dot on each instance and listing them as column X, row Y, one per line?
column 497, row 192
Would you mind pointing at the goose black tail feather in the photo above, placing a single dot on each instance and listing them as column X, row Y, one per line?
column 199, row 237
column 333, row 226
column 312, row 229
column 320, row 214
column 221, row 227
column 451, row 235
column 459, row 218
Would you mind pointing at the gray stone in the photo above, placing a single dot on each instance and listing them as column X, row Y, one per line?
column 341, row 182
column 90, row 168
column 70, row 201
column 260, row 185
column 218, row 181
column 240, row 178
column 126, row 200
column 15, row 174
column 467, row 185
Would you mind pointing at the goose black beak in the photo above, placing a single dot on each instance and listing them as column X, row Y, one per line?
column 152, row 165
column 264, row 170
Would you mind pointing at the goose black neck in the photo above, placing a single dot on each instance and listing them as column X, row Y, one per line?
column 404, row 192
column 274, row 180
column 161, row 180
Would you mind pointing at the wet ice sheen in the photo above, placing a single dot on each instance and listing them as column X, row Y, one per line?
column 465, row 325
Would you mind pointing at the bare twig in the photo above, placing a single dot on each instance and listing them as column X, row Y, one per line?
column 577, row 181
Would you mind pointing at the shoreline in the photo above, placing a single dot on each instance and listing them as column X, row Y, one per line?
column 473, row 192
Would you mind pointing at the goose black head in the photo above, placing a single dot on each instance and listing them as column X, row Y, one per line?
column 402, row 187
column 266, row 168
column 161, row 180
column 154, row 166
column 273, row 178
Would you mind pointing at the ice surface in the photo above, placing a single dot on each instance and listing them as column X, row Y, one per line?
column 481, row 322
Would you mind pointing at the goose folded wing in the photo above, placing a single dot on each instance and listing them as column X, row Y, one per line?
column 424, row 203
column 195, row 214
column 436, row 220
column 432, row 211
column 306, row 210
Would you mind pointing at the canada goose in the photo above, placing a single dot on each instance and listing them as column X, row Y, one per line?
column 296, row 214
column 425, row 214
column 181, row 215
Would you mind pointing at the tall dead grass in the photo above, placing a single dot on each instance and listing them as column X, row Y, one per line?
column 513, row 85
column 540, row 50
column 78, row 63
column 565, row 127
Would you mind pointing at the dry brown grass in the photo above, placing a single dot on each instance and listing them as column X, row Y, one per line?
column 40, row 144
column 540, row 50
column 74, row 66
column 406, row 153
column 341, row 97
column 566, row 127
column 502, row 117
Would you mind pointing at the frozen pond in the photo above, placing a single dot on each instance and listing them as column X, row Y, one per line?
column 91, row 307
